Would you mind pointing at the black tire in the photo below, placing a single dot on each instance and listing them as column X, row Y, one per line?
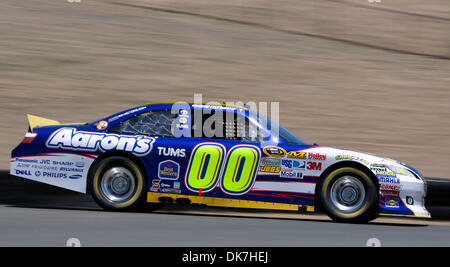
column 117, row 184
column 349, row 195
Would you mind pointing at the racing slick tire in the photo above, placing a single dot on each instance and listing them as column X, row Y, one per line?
column 349, row 195
column 117, row 184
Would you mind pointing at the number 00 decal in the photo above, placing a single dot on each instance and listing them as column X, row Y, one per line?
column 205, row 167
column 240, row 169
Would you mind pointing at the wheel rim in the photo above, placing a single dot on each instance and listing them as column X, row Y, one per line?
column 347, row 194
column 117, row 184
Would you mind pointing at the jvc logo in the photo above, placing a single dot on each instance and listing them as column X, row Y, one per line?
column 315, row 166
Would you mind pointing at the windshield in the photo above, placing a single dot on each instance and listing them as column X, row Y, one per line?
column 284, row 134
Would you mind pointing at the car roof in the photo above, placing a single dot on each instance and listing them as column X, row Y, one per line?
column 125, row 114
column 203, row 105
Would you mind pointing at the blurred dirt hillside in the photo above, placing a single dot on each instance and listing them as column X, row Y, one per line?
column 372, row 77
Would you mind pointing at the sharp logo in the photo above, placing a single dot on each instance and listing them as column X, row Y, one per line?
column 69, row 138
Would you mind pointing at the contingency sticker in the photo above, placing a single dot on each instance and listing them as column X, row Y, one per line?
column 59, row 169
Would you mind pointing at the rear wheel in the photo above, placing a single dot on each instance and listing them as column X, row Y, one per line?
column 117, row 183
column 349, row 195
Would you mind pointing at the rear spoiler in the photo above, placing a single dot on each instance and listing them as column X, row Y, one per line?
column 36, row 121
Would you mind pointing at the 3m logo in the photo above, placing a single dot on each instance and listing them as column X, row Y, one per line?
column 314, row 166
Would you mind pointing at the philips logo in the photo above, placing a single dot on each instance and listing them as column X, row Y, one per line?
column 70, row 138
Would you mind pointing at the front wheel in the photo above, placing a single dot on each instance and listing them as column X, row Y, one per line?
column 117, row 183
column 349, row 195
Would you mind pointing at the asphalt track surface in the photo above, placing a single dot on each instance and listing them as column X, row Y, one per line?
column 33, row 214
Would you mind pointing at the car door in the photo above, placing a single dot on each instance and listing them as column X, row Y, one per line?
column 224, row 162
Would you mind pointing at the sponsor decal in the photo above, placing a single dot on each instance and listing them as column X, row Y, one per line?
column 299, row 164
column 378, row 167
column 296, row 155
column 389, row 190
column 54, row 174
column 387, row 177
column 314, row 166
column 79, row 164
column 183, row 119
column 169, row 170
column 47, row 174
column 289, row 168
column 400, row 170
column 389, row 180
column 316, row 156
column 75, row 176
column 209, row 106
column 274, row 151
column 386, row 173
column 176, row 185
column 64, row 170
column 270, row 169
column 270, row 165
column 155, row 185
column 350, row 157
column 389, row 187
column 172, row 152
column 287, row 164
column 101, row 125
column 391, row 203
column 23, row 172
column 390, row 193
column 70, row 138
column 171, row 191
column 43, row 167
column 183, row 123
column 269, row 161
column 292, row 174
column 25, row 160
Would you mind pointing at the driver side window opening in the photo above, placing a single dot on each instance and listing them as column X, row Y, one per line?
column 155, row 123
column 226, row 125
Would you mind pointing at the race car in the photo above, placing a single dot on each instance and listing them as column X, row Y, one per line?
column 164, row 153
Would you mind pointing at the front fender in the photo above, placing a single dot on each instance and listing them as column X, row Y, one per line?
column 402, row 190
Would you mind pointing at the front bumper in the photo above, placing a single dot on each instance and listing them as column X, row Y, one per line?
column 404, row 196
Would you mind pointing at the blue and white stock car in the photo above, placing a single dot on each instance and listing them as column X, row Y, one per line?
column 154, row 154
